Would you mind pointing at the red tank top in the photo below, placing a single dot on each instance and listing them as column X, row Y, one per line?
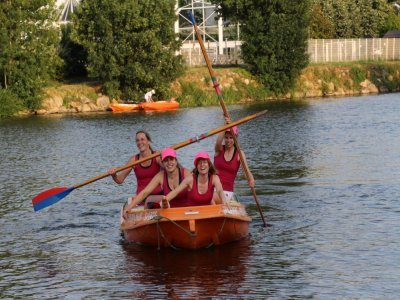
column 181, row 199
column 145, row 174
column 227, row 170
column 196, row 199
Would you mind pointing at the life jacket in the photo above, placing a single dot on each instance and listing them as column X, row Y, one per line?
column 227, row 170
column 197, row 199
column 182, row 198
column 145, row 174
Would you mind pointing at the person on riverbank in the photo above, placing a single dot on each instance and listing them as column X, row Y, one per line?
column 227, row 161
column 148, row 97
column 201, row 185
column 145, row 171
column 168, row 179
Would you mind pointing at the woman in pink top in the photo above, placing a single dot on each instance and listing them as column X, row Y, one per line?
column 227, row 160
column 145, row 171
column 169, row 178
column 201, row 185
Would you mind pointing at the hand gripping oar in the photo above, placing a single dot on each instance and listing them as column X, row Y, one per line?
column 51, row 196
column 225, row 111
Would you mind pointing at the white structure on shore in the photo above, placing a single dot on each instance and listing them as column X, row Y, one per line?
column 67, row 8
column 221, row 40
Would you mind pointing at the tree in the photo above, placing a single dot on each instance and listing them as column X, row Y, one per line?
column 355, row 18
column 73, row 54
column 274, row 38
column 321, row 27
column 131, row 45
column 28, row 48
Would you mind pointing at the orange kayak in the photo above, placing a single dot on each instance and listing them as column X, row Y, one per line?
column 124, row 107
column 191, row 227
column 160, row 105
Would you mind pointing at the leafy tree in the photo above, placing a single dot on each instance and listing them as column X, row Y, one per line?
column 391, row 22
column 354, row 18
column 28, row 48
column 321, row 27
column 73, row 54
column 131, row 45
column 274, row 35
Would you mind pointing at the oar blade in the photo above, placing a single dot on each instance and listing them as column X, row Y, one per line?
column 49, row 197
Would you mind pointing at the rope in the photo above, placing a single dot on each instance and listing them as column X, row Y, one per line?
column 220, row 231
column 161, row 233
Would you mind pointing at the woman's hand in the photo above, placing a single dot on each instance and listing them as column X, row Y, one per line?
column 165, row 202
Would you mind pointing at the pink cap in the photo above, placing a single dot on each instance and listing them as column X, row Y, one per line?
column 168, row 152
column 201, row 155
column 235, row 130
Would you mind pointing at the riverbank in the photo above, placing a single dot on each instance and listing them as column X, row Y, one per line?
column 195, row 88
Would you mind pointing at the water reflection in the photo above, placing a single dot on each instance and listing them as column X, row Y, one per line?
column 184, row 274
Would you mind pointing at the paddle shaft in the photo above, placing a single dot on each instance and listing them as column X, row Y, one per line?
column 226, row 113
column 177, row 146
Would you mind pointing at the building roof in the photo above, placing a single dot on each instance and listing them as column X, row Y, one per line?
column 392, row 34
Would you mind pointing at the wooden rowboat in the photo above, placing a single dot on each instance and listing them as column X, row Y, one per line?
column 191, row 227
column 124, row 107
column 158, row 105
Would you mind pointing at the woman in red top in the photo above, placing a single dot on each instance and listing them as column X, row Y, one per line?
column 145, row 171
column 227, row 161
column 169, row 179
column 201, row 184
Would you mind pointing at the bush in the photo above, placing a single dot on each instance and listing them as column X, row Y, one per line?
column 9, row 103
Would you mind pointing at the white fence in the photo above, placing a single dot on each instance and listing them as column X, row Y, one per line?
column 339, row 50
column 353, row 50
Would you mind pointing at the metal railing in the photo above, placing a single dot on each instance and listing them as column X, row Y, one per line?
column 320, row 51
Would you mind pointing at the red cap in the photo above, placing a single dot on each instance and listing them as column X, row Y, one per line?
column 168, row 152
column 201, row 155
column 235, row 130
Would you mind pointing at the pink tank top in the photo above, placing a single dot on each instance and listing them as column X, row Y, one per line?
column 182, row 198
column 196, row 199
column 145, row 174
column 227, row 170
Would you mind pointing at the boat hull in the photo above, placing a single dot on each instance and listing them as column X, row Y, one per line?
column 187, row 227
column 160, row 105
column 124, row 107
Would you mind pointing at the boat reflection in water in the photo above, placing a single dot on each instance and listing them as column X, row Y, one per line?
column 187, row 274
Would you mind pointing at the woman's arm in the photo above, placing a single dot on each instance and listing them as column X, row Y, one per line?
column 251, row 178
column 218, row 143
column 157, row 180
column 120, row 177
column 218, row 189
column 186, row 183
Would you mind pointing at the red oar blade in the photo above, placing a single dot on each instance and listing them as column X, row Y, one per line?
column 49, row 197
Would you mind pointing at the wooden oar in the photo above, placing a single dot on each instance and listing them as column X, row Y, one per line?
column 225, row 111
column 51, row 196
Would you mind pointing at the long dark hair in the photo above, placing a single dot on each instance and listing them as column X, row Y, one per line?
column 211, row 171
column 147, row 135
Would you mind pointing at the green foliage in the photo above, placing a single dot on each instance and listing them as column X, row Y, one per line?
column 321, row 27
column 274, row 35
column 358, row 75
column 9, row 103
column 28, row 48
column 73, row 54
column 350, row 18
column 391, row 22
column 131, row 45
column 192, row 95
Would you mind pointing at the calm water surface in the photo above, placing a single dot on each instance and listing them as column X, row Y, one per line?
column 327, row 175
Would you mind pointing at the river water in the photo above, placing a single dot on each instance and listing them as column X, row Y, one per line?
column 327, row 176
